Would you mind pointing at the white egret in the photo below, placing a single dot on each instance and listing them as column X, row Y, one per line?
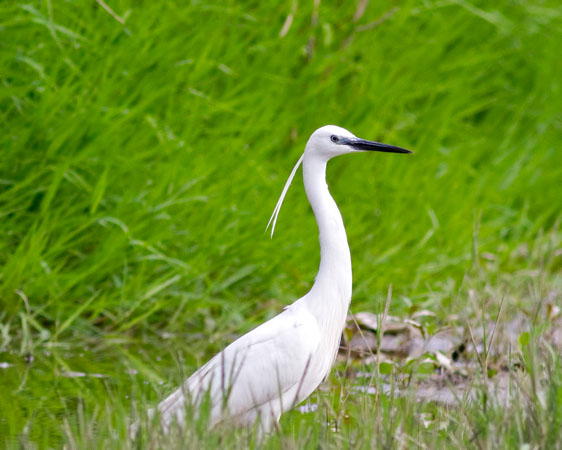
column 280, row 363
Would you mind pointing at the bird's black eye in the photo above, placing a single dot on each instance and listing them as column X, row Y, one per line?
column 334, row 138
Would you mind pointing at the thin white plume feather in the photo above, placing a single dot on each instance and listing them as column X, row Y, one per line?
column 273, row 219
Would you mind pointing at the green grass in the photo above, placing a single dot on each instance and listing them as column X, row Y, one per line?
column 140, row 163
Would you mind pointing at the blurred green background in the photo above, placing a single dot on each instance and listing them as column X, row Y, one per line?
column 144, row 145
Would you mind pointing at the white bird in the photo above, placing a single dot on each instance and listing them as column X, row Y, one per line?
column 280, row 363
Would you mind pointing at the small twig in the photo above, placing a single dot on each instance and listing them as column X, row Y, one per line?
column 380, row 332
column 289, row 20
column 387, row 15
column 482, row 364
column 306, row 367
column 368, row 26
column 494, row 330
column 111, row 12
column 361, row 7
column 363, row 337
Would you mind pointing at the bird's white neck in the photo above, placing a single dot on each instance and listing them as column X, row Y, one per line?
column 332, row 287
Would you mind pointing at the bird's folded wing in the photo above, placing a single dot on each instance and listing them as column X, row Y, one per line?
column 261, row 366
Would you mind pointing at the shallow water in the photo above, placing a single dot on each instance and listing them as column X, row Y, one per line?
column 42, row 389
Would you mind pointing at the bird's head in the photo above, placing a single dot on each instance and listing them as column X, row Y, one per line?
column 325, row 143
column 331, row 140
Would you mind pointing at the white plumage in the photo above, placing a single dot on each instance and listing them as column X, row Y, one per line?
column 280, row 363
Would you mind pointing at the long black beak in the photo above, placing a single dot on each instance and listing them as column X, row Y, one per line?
column 362, row 144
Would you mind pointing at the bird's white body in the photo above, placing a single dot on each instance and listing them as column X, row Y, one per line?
column 280, row 363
